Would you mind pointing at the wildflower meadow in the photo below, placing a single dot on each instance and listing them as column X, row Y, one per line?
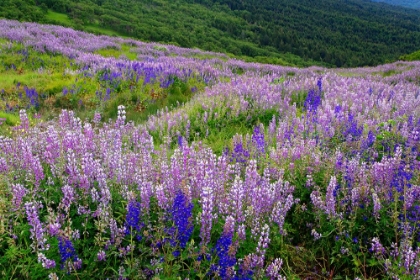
column 121, row 159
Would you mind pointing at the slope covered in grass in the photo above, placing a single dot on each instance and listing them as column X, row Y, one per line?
column 340, row 33
column 147, row 161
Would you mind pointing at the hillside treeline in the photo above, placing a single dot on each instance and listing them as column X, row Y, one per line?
column 343, row 33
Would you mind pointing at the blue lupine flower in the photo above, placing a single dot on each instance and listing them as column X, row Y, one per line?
column 312, row 101
column 66, row 249
column 176, row 253
column 180, row 141
column 258, row 139
column 132, row 220
column 225, row 259
column 351, row 128
column 319, row 84
column 239, row 154
column 181, row 216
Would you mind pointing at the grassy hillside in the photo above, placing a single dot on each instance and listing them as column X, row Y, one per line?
column 339, row 33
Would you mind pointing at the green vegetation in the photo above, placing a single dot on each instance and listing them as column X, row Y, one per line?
column 411, row 57
column 46, row 83
column 414, row 4
column 335, row 33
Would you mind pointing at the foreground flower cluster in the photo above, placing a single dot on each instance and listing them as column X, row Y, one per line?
column 268, row 172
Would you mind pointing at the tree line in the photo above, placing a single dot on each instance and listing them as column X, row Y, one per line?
column 340, row 33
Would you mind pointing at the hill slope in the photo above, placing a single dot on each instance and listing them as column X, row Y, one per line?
column 414, row 4
column 341, row 33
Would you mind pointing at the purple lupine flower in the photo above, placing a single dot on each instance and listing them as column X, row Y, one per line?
column 274, row 269
column 53, row 228
column 317, row 200
column 207, row 213
column 37, row 230
column 377, row 247
column 330, row 198
column 239, row 153
column 315, row 234
column 262, row 246
column 408, row 255
column 46, row 263
column 376, row 205
column 18, row 192
column 68, row 197
column 3, row 163
column 280, row 210
column 236, row 197
column 258, row 139
column 24, row 121
column 77, row 264
column 97, row 118
column 101, row 255
column 355, row 197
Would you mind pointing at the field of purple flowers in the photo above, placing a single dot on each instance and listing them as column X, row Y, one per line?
column 128, row 160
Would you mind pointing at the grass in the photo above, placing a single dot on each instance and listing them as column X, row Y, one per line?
column 63, row 19
column 11, row 119
column 103, row 31
column 57, row 88
column 125, row 50
column 59, row 18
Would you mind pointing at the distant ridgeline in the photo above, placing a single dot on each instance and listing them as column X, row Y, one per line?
column 341, row 33
column 413, row 4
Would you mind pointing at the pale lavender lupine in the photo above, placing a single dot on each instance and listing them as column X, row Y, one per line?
column 37, row 228
column 274, row 269
column 207, row 215
column 330, row 197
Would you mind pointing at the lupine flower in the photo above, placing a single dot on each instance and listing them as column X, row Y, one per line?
column 132, row 220
column 53, row 276
column 37, row 230
column 352, row 129
column 376, row 205
column 121, row 116
column 330, row 198
column 274, row 269
column 24, row 121
column 312, row 101
column 207, row 213
column 18, row 192
column 377, row 247
column 46, row 263
column 239, row 154
column 68, row 197
column 262, row 246
column 223, row 250
column 181, row 215
column 66, row 249
column 315, row 234
column 97, row 118
column 258, row 139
